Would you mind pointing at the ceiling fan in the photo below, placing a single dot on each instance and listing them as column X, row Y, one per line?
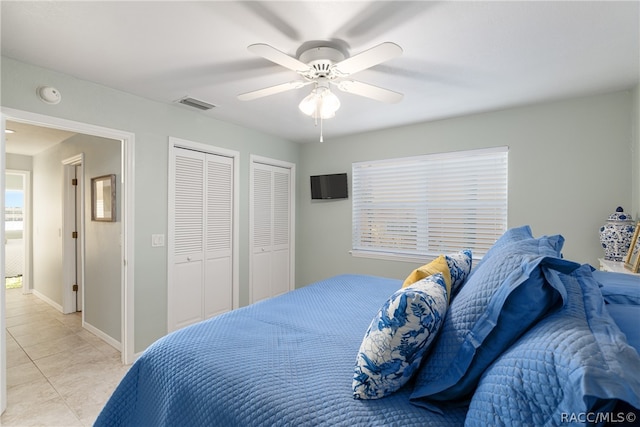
column 323, row 66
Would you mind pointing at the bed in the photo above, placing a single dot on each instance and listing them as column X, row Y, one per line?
column 523, row 338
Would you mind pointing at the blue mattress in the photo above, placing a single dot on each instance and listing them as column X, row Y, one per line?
column 618, row 288
column 286, row 361
column 626, row 317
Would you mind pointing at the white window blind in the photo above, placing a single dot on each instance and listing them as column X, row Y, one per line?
column 417, row 207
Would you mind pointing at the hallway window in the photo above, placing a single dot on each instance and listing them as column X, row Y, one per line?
column 14, row 242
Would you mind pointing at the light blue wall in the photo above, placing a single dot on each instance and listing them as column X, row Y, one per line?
column 19, row 162
column 152, row 123
column 102, row 295
column 102, row 239
column 47, row 225
column 569, row 167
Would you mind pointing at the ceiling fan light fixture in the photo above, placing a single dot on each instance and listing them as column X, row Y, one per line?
column 322, row 64
column 321, row 103
column 308, row 103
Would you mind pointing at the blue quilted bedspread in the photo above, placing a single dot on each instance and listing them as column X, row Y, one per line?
column 286, row 361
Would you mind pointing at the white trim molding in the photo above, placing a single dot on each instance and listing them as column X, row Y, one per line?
column 209, row 149
column 128, row 213
column 256, row 159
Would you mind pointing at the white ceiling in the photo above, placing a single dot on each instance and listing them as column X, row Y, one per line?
column 459, row 57
column 30, row 140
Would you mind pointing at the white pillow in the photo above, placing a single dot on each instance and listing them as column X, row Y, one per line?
column 459, row 267
column 398, row 337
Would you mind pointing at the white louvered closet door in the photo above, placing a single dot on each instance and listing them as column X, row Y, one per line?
column 201, row 285
column 219, row 237
column 270, row 231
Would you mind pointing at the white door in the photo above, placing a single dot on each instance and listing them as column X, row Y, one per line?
column 271, row 230
column 202, row 239
column 73, row 234
column 219, row 237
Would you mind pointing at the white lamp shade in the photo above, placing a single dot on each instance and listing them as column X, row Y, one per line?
column 330, row 104
column 308, row 104
column 320, row 103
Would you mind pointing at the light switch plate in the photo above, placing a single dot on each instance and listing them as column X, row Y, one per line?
column 157, row 240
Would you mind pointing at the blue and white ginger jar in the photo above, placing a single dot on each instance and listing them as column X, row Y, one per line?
column 616, row 235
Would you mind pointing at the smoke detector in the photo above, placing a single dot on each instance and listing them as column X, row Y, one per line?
column 49, row 95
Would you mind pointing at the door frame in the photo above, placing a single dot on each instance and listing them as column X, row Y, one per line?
column 26, row 221
column 127, row 339
column 71, row 223
column 253, row 159
column 175, row 143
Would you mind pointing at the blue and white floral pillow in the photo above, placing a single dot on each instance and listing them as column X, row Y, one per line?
column 459, row 267
column 398, row 337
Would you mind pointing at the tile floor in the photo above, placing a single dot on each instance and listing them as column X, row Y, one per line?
column 58, row 374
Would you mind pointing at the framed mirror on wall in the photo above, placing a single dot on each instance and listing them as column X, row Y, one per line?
column 632, row 260
column 103, row 198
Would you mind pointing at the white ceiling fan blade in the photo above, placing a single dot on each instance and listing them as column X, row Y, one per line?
column 278, row 57
column 374, row 56
column 272, row 90
column 370, row 91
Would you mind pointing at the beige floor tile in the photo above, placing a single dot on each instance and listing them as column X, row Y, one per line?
column 58, row 374
column 16, row 356
column 99, row 344
column 25, row 396
column 13, row 310
column 51, row 413
column 66, row 361
column 28, row 318
column 99, row 376
column 47, row 326
column 22, row 374
column 50, row 347
column 27, row 336
column 17, row 311
column 88, row 413
column 72, row 321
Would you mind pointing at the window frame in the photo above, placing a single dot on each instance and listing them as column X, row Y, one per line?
column 393, row 202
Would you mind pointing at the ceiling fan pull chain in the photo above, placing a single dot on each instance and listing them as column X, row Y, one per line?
column 321, row 138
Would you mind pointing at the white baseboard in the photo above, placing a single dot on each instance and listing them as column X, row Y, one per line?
column 104, row 337
column 48, row 300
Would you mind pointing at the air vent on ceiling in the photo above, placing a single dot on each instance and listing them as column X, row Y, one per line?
column 196, row 103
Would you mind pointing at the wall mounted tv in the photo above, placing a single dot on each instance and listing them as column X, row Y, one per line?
column 332, row 186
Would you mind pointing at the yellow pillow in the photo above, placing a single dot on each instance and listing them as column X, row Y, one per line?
column 438, row 265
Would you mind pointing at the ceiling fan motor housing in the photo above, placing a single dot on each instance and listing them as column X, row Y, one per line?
column 321, row 59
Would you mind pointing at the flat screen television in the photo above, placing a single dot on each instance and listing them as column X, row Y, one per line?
column 332, row 186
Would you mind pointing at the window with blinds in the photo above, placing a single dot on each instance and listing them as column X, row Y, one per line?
column 418, row 207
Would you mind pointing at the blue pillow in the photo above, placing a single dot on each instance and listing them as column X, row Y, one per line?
column 510, row 236
column 572, row 364
column 503, row 297
column 398, row 337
